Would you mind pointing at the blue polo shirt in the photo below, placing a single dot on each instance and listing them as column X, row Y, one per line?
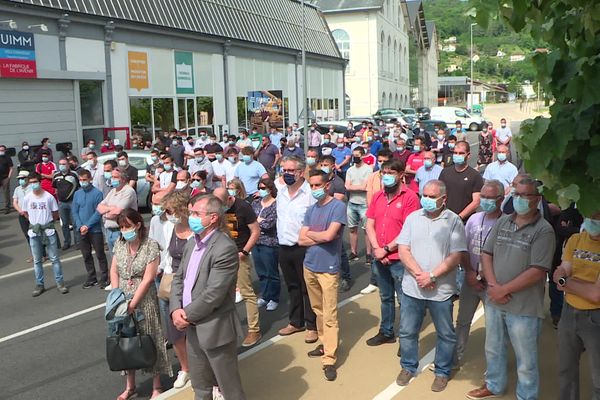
column 250, row 174
column 340, row 155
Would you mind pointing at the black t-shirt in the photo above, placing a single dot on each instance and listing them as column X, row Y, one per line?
column 132, row 173
column 460, row 187
column 178, row 154
column 237, row 219
column 336, row 185
column 447, row 154
column 5, row 165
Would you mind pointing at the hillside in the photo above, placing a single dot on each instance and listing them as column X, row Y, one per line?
column 449, row 17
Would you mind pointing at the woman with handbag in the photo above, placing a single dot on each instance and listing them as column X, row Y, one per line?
column 176, row 233
column 134, row 266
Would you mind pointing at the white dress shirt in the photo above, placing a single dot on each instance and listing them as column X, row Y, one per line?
column 290, row 213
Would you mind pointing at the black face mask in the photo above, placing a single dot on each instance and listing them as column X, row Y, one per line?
column 289, row 179
column 356, row 160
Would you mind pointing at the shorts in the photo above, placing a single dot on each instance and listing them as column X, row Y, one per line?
column 357, row 215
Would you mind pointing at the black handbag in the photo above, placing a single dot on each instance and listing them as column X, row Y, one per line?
column 126, row 353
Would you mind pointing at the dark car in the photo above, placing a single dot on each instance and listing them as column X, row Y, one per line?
column 423, row 113
column 431, row 122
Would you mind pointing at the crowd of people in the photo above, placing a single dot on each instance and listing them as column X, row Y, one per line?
column 437, row 232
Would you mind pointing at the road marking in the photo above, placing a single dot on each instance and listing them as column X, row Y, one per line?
column 393, row 389
column 46, row 264
column 50, row 323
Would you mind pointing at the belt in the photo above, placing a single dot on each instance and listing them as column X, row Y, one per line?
column 286, row 245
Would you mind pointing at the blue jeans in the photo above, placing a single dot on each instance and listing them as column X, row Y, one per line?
column 37, row 251
column 556, row 297
column 523, row 333
column 389, row 281
column 266, row 262
column 112, row 235
column 412, row 312
column 66, row 217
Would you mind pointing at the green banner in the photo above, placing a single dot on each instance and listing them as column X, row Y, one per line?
column 184, row 72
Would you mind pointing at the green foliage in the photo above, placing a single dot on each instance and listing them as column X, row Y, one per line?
column 564, row 150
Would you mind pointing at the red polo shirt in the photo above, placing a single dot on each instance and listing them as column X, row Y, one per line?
column 389, row 216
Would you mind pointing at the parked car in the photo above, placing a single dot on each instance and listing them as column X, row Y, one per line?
column 452, row 114
column 430, row 123
column 410, row 112
column 423, row 113
column 387, row 111
column 139, row 159
column 411, row 121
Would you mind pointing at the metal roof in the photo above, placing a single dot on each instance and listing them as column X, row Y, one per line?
column 268, row 22
column 416, row 15
column 348, row 5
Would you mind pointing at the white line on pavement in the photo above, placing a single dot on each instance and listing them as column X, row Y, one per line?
column 50, row 323
column 46, row 264
column 393, row 389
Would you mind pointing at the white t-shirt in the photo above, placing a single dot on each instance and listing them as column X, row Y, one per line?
column 20, row 194
column 166, row 178
column 219, row 169
column 230, row 169
column 39, row 209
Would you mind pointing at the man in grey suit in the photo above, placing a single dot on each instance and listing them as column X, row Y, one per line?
column 202, row 302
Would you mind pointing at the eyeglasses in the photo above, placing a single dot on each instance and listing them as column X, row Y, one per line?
column 289, row 171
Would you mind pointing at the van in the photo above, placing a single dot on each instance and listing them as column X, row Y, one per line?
column 452, row 114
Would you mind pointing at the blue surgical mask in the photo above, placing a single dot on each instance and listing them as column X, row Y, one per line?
column 62, row 167
column 195, row 184
column 319, row 193
column 85, row 184
column 157, row 209
column 263, row 193
column 154, row 158
column 451, row 145
column 325, row 141
column 129, row 235
column 327, row 170
column 232, row 160
column 428, row 163
column 458, row 159
column 199, row 159
column 247, row 159
column 22, row 182
column 521, row 205
column 107, row 175
column 591, row 226
column 429, row 204
column 173, row 219
column 488, row 205
column 35, row 186
column 168, row 167
column 416, row 148
column 232, row 192
column 219, row 157
column 115, row 182
column 388, row 180
column 340, row 145
column 310, row 161
column 195, row 224
column 501, row 156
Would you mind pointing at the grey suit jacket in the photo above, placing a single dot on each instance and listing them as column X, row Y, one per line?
column 212, row 310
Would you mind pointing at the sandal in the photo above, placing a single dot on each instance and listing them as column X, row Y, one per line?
column 128, row 394
column 157, row 391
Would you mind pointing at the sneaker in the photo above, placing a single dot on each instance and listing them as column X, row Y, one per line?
column 317, row 352
column 251, row 339
column 238, row 296
column 217, row 395
column 39, row 289
column 344, row 286
column 380, row 339
column 108, row 287
column 352, row 257
column 369, row 289
column 260, row 302
column 272, row 305
column 290, row 329
column 555, row 321
column 439, row 384
column 182, row 378
column 368, row 259
column 311, row 336
column 481, row 393
column 88, row 285
column 330, row 372
column 62, row 288
column 404, row 377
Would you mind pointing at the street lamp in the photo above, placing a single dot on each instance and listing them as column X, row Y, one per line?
column 12, row 24
column 471, row 91
column 43, row 27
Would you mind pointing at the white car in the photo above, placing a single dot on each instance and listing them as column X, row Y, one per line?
column 452, row 114
column 140, row 160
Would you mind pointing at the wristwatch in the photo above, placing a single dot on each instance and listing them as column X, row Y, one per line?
column 244, row 252
column 387, row 249
column 562, row 281
column 432, row 277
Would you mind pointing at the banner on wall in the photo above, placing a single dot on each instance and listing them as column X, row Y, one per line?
column 138, row 70
column 17, row 55
column 184, row 72
column 265, row 110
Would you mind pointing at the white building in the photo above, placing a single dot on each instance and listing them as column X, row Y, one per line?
column 517, row 58
column 373, row 35
column 500, row 54
column 449, row 48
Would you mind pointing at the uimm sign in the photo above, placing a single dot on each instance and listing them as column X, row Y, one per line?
column 17, row 55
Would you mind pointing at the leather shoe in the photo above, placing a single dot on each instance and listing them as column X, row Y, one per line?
column 251, row 339
column 311, row 336
column 290, row 329
column 481, row 393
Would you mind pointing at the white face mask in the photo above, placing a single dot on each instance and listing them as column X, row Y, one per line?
column 180, row 185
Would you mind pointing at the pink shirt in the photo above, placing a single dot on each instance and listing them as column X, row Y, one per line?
column 192, row 268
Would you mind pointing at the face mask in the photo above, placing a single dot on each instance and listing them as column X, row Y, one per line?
column 388, row 180
column 327, row 170
column 331, row 130
column 232, row 160
column 501, row 157
column 199, row 159
column 22, row 182
column 26, row 148
column 356, row 160
column 195, row 224
column 292, row 148
column 263, row 193
column 36, row 186
column 521, row 205
column 231, row 143
column 92, row 146
column 154, row 158
column 232, row 192
column 115, row 182
column 440, row 137
column 129, row 235
column 400, row 148
column 173, row 219
column 310, row 161
column 416, row 148
column 318, row 193
column 591, row 226
column 195, row 184
column 85, row 184
column 157, row 210
column 107, row 175
column 45, row 159
column 2, row 153
column 326, row 141
column 357, row 139
column 219, row 157
column 370, row 138
column 289, row 179
column 428, row 163
column 503, row 125
column 458, row 159
column 488, row 205
column 340, row 145
column 123, row 163
column 62, row 168
column 168, row 167
column 379, row 165
column 451, row 145
column 421, row 129
column 203, row 137
column 247, row 159
column 429, row 205
column 180, row 185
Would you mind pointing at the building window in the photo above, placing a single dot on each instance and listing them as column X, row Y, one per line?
column 342, row 39
column 381, row 52
column 383, row 100
column 390, row 55
column 90, row 97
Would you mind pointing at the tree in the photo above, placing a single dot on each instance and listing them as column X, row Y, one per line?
column 563, row 150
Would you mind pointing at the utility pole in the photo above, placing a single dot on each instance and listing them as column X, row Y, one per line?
column 472, row 25
column 304, row 83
